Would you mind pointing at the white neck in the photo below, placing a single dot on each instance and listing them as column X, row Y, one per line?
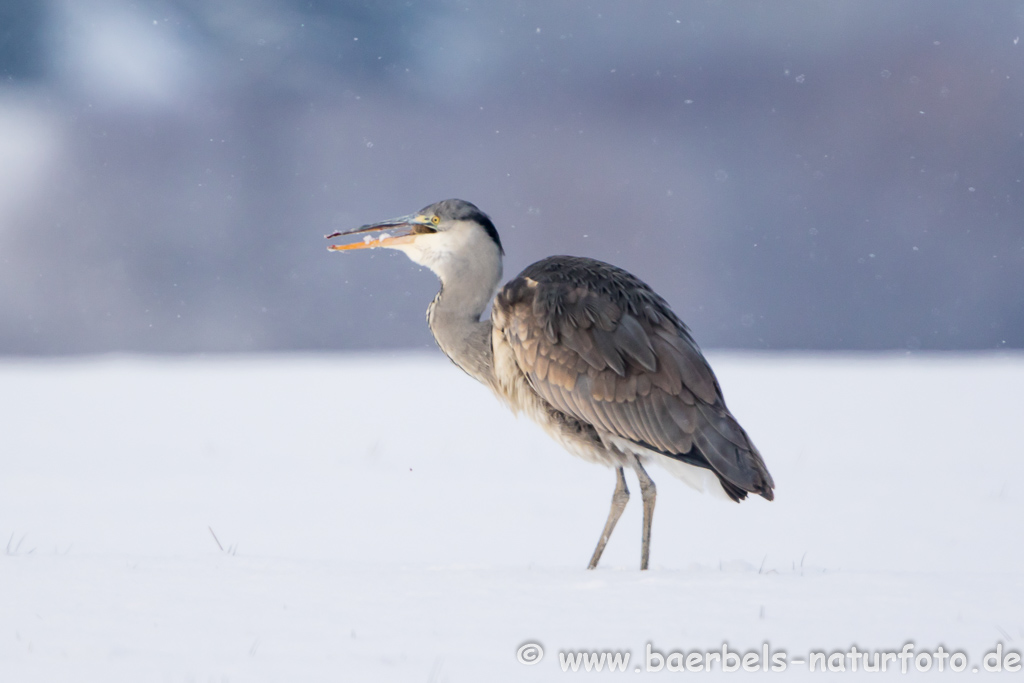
column 468, row 263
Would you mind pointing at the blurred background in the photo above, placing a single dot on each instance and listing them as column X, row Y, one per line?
column 790, row 174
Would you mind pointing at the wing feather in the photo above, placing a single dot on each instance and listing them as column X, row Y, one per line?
column 530, row 348
column 611, row 355
column 625, row 390
column 651, row 426
column 725, row 424
column 685, row 416
column 694, row 371
column 671, row 432
column 667, row 377
column 634, row 341
column 541, row 363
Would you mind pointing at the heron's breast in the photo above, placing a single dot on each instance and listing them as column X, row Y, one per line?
column 513, row 387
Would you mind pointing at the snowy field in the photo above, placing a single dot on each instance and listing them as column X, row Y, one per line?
column 383, row 518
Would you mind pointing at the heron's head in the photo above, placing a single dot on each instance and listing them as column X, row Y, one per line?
column 451, row 237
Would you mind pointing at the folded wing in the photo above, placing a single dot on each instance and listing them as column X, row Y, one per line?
column 597, row 343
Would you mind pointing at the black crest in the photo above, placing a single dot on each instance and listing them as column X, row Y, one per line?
column 461, row 210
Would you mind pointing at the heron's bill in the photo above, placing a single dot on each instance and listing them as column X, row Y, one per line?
column 392, row 233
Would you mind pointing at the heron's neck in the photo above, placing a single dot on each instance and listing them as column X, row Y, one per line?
column 454, row 319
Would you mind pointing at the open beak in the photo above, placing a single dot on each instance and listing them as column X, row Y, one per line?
column 391, row 233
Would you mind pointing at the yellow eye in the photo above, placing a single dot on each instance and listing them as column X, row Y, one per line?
column 435, row 220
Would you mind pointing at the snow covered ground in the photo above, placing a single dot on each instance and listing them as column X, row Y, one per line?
column 383, row 518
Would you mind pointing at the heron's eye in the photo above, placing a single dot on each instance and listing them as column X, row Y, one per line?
column 435, row 220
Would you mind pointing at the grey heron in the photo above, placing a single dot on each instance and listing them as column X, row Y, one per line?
column 585, row 349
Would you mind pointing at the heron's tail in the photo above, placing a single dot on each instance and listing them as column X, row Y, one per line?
column 731, row 454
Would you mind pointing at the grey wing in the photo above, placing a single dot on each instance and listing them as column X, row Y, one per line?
column 600, row 345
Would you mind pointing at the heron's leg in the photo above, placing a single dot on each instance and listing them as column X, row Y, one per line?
column 649, row 492
column 619, row 500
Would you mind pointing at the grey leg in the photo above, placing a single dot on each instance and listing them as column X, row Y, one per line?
column 619, row 500
column 649, row 492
